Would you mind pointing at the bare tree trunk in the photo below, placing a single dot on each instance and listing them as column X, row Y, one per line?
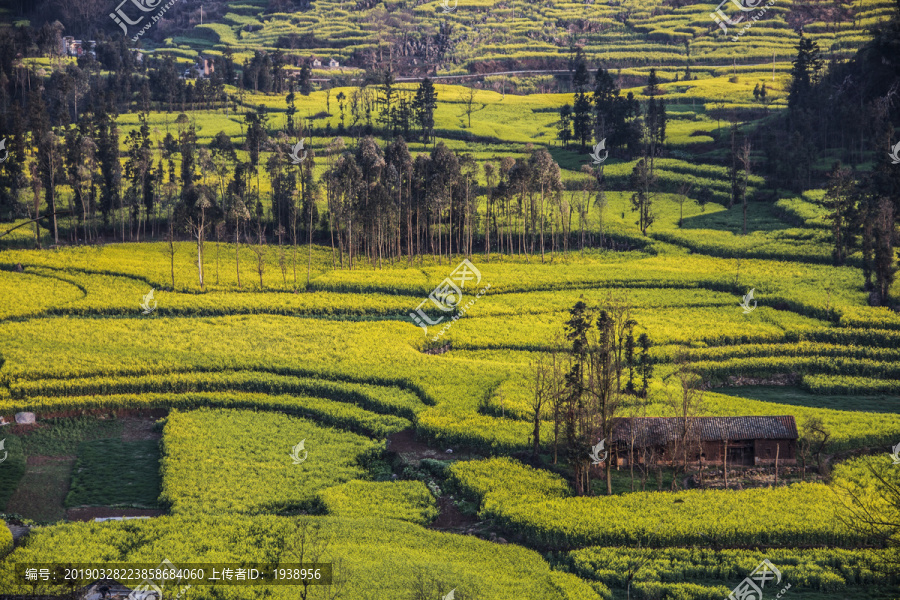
column 725, row 464
column 777, row 449
column 199, row 258
column 237, row 251
column 608, row 473
column 409, row 235
column 309, row 259
column 84, row 225
column 171, row 241
column 218, row 242
column 631, row 459
column 542, row 222
column 450, row 230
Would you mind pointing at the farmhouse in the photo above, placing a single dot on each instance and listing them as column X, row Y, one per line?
column 72, row 47
column 746, row 440
column 204, row 67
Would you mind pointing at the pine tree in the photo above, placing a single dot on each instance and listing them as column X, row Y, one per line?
column 612, row 112
column 865, row 201
column 110, row 168
column 805, row 72
column 564, row 125
column 652, row 88
column 840, row 200
column 630, row 361
column 656, row 114
column 575, row 429
column 12, row 178
column 885, row 270
column 424, row 104
column 645, row 366
column 305, row 79
column 580, row 75
column 291, row 110
column 581, row 119
column 309, row 211
column 386, row 102
column 641, row 181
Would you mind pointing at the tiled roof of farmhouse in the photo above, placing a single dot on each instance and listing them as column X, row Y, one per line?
column 663, row 430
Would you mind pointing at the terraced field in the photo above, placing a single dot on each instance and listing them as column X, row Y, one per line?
column 248, row 375
column 488, row 35
column 289, row 408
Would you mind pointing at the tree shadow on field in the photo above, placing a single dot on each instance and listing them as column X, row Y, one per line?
column 761, row 216
column 573, row 157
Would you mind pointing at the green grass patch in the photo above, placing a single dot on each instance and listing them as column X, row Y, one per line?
column 41, row 491
column 61, row 437
column 116, row 473
column 11, row 469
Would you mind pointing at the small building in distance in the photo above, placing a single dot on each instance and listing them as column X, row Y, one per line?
column 204, row 66
column 333, row 64
column 73, row 47
column 316, row 63
column 747, row 441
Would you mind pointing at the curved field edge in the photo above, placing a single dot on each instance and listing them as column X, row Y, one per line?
column 464, row 562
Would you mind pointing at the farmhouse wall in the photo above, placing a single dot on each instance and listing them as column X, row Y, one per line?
column 740, row 452
column 765, row 451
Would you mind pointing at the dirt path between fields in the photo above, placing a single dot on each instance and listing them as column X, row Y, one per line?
column 450, row 518
column 89, row 513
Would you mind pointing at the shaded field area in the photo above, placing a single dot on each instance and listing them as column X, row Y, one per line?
column 794, row 396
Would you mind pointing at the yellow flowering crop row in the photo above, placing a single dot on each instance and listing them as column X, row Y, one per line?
column 376, row 398
column 405, row 500
column 825, row 569
column 800, row 514
column 375, row 558
column 236, row 461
